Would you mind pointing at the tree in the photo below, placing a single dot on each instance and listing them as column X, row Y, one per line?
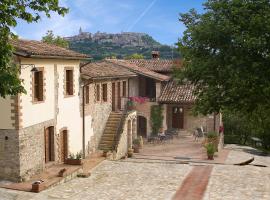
column 10, row 11
column 156, row 118
column 226, row 53
column 50, row 38
column 135, row 56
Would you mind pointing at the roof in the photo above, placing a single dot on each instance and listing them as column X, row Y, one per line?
column 140, row 70
column 105, row 69
column 176, row 93
column 32, row 48
column 156, row 65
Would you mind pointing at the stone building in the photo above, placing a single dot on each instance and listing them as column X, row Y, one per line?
column 72, row 108
column 156, row 85
column 42, row 126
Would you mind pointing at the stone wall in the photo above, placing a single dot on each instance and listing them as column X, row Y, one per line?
column 22, row 151
column 127, row 134
column 144, row 110
column 32, row 145
column 9, row 155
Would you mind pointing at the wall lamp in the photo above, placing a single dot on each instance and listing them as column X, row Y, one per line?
column 34, row 69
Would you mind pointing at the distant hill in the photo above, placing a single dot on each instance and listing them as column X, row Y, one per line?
column 102, row 45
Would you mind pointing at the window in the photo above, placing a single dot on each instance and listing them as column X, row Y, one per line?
column 38, row 86
column 69, row 82
column 124, row 88
column 98, row 92
column 87, row 94
column 104, row 92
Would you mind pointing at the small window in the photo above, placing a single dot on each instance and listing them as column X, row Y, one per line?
column 69, row 82
column 104, row 92
column 87, row 94
column 98, row 92
column 38, row 86
column 124, row 88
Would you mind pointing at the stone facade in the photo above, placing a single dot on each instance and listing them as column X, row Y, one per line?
column 125, row 141
column 22, row 151
column 9, row 154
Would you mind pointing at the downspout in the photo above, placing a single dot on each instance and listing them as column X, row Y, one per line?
column 83, row 122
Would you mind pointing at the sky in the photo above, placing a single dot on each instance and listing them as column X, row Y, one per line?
column 158, row 18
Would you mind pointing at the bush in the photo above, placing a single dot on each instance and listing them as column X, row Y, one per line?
column 156, row 118
column 212, row 135
column 210, row 148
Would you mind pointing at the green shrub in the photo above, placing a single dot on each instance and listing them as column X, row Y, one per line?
column 210, row 148
column 212, row 135
column 156, row 118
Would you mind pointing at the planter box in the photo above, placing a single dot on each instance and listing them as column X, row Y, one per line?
column 38, row 187
column 73, row 161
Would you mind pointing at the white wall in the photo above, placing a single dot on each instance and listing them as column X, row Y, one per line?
column 34, row 113
column 68, row 107
column 5, row 113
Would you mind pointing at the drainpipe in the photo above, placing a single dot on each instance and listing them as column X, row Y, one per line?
column 83, row 122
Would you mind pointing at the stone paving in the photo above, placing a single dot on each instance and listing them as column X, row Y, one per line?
column 115, row 180
column 147, row 179
column 230, row 182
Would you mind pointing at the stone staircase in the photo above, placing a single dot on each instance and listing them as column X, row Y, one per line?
column 109, row 134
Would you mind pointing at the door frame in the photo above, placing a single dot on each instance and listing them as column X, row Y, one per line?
column 63, row 138
column 177, row 121
column 49, row 150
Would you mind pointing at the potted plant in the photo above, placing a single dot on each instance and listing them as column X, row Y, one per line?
column 130, row 152
column 130, row 104
column 210, row 149
column 38, row 186
column 212, row 137
column 74, row 159
column 136, row 145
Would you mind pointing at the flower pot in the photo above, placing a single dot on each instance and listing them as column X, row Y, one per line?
column 210, row 156
column 70, row 161
column 136, row 149
column 38, row 187
column 130, row 153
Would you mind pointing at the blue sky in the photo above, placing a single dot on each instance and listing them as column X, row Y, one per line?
column 158, row 18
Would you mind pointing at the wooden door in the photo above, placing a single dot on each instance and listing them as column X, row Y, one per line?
column 113, row 97
column 142, row 126
column 49, row 144
column 63, row 145
column 177, row 117
column 119, row 96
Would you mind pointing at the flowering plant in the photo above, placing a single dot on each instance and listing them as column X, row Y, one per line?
column 139, row 100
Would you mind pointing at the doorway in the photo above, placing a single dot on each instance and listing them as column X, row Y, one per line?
column 49, row 144
column 178, row 118
column 118, row 96
column 113, row 97
column 142, row 126
column 63, row 145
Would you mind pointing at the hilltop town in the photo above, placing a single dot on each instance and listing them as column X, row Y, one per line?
column 124, row 39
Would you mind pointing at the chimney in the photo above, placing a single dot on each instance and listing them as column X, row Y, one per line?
column 155, row 54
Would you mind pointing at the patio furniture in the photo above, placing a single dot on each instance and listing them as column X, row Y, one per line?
column 199, row 133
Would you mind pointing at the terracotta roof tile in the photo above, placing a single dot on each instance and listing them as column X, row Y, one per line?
column 176, row 93
column 140, row 70
column 156, row 65
column 105, row 69
column 31, row 48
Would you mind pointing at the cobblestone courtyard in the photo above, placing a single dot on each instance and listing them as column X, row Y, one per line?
column 156, row 179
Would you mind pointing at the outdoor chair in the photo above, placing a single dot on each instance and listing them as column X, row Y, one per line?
column 198, row 133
